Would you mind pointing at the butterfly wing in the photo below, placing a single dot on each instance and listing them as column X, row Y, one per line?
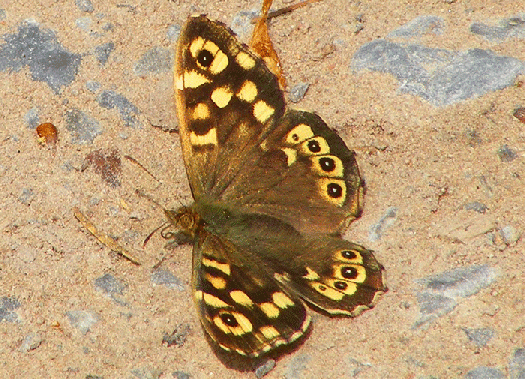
column 239, row 145
column 227, row 101
column 242, row 308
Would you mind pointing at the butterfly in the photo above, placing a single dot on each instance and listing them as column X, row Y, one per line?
column 273, row 189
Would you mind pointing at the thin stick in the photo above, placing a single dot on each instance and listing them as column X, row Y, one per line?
column 288, row 9
column 103, row 238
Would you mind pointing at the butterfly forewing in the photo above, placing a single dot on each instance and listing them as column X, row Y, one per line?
column 227, row 100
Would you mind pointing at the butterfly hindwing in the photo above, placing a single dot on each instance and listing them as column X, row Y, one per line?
column 304, row 175
column 242, row 308
column 338, row 277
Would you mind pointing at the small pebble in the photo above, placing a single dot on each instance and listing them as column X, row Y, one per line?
column 82, row 320
column 264, row 368
column 31, row 342
column 479, row 337
column 297, row 92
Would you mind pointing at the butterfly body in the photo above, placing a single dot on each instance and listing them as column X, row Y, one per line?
column 273, row 190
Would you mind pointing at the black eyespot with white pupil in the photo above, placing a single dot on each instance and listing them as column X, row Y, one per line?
column 340, row 285
column 314, row 146
column 348, row 254
column 205, row 58
column 327, row 164
column 334, row 190
column 349, row 272
column 229, row 320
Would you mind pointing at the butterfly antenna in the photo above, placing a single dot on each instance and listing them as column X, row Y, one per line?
column 133, row 160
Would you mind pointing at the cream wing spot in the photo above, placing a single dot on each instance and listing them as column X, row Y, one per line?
column 222, row 267
column 245, row 60
column 344, row 286
column 248, row 91
column 291, row 155
column 194, row 79
column 241, row 298
column 209, row 138
column 180, row 82
column 216, row 281
column 196, row 46
column 221, row 96
column 329, row 292
column 299, row 134
column 213, row 301
column 270, row 310
column 201, row 112
column 311, row 274
column 281, row 300
column 233, row 323
column 262, row 111
column 211, row 47
column 269, row 332
column 220, row 62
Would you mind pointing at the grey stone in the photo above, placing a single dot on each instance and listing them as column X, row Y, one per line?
column 110, row 285
column 173, row 33
column 146, row 373
column 355, row 367
column 32, row 118
column 476, row 206
column 513, row 27
column 441, row 77
column 128, row 112
column 298, row 91
column 509, row 235
column 480, row 336
column 103, row 51
column 460, row 282
column 485, row 373
column 442, row 292
column 84, row 5
column 297, row 367
column 26, row 196
column 517, row 364
column 92, row 86
column 178, row 336
column 83, row 128
column 84, row 23
column 180, row 375
column 48, row 61
column 154, row 61
column 166, row 278
column 418, row 27
column 376, row 231
column 506, row 154
column 82, row 320
column 31, row 342
column 7, row 307
column 241, row 23
column 2, row 15
column 264, row 368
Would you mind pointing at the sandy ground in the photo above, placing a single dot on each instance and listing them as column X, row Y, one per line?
column 426, row 161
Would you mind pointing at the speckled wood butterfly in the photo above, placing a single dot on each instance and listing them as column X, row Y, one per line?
column 273, row 188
